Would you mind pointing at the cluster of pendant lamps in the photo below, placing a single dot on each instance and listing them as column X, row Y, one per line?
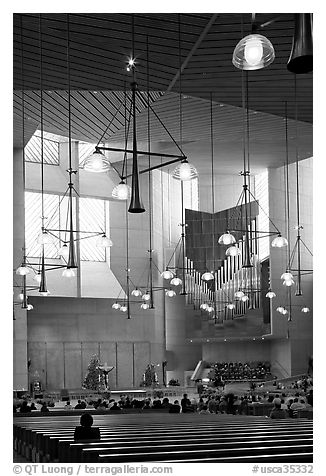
column 253, row 52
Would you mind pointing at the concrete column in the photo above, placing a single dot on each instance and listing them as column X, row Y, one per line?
column 20, row 377
column 181, row 356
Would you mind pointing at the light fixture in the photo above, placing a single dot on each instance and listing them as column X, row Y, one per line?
column 305, row 309
column 279, row 242
column 123, row 308
column 280, row 309
column 245, row 298
column 239, row 294
column 287, row 276
column 21, row 296
column 204, row 306
column 208, row 276
column 233, row 251
column 144, row 305
column 167, row 274
column 121, row 191
column 68, row 273
column 185, row 171
column 284, row 311
column 37, row 278
column 170, row 293
column 146, row 296
column 253, row 52
column 209, row 309
column 44, row 238
column 116, row 305
column 136, row 292
column 22, row 270
column 301, row 58
column 30, row 307
column 97, row 162
column 176, row 281
column 288, row 282
column 63, row 251
column 103, row 242
column 270, row 294
column 231, row 306
column 226, row 239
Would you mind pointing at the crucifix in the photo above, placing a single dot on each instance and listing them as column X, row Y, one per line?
column 106, row 369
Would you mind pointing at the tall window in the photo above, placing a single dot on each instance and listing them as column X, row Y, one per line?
column 92, row 218
column 261, row 192
column 50, row 150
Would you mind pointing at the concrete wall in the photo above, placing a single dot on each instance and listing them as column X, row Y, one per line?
column 237, row 351
column 300, row 328
column 20, row 381
column 227, row 191
column 63, row 334
column 281, row 357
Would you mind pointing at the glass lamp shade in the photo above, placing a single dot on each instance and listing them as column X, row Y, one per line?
column 123, row 308
column 21, row 296
column 136, row 292
column 244, row 298
column 209, row 309
column 208, row 276
column 37, row 278
column 279, row 242
column 121, row 191
column 270, row 294
column 253, row 52
column 233, row 251
column 280, row 309
column 204, row 306
column 231, row 306
column 44, row 238
column 64, row 251
column 176, row 281
column 288, row 282
column 30, row 307
column 103, row 242
column 287, row 276
column 167, row 274
column 97, row 162
column 144, row 305
column 68, row 273
column 284, row 311
column 239, row 294
column 226, row 239
column 170, row 293
column 116, row 305
column 146, row 297
column 305, row 309
column 22, row 270
column 185, row 171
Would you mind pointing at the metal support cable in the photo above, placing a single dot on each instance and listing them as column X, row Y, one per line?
column 41, row 120
column 149, row 179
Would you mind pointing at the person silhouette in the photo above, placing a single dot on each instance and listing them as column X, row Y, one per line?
column 85, row 430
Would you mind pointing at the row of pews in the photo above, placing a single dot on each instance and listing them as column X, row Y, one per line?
column 169, row 438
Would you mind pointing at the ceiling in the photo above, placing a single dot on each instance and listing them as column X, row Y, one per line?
column 201, row 43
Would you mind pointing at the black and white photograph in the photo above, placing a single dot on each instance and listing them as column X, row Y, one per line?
column 162, row 203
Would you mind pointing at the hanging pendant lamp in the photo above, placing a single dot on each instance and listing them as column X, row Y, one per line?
column 97, row 162
column 185, row 171
column 301, row 57
column 208, row 276
column 121, row 191
column 253, row 52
